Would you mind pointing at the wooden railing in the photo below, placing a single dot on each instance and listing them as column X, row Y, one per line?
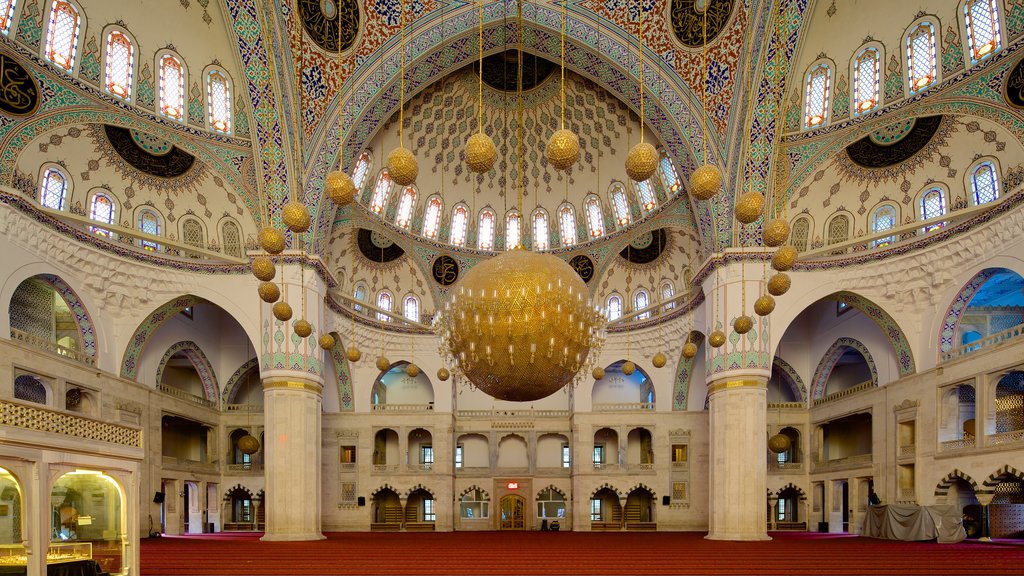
column 182, row 395
column 844, row 393
column 988, row 342
column 33, row 341
column 623, row 406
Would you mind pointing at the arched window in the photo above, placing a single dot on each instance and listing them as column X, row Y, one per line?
column 52, row 193
column 432, row 218
column 381, row 192
column 218, row 94
column 361, row 170
column 983, row 34
column 567, row 224
column 921, row 66
column 667, row 293
column 172, row 87
column 646, row 193
column 839, row 229
column 120, row 63
column 641, row 300
column 818, row 80
column 384, row 301
column 620, row 205
column 6, row 15
column 866, row 81
column 102, row 210
column 933, row 205
column 595, row 221
column 62, row 34
column 801, row 230
column 485, row 232
column 460, row 221
column 540, row 230
column 359, row 293
column 669, row 176
column 614, row 307
column 884, row 218
column 231, row 238
column 405, row 205
column 984, row 183
column 192, row 233
column 412, row 308
column 149, row 223
column 513, row 230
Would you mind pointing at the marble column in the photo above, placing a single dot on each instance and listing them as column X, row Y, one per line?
column 985, row 499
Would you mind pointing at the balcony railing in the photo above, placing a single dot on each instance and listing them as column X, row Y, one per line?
column 988, row 342
column 951, row 445
column 46, row 420
column 908, row 450
column 906, row 494
column 250, row 467
column 473, row 470
column 382, row 468
column 844, row 393
column 182, row 395
column 189, row 465
column 403, row 407
column 1006, row 437
column 33, row 341
column 856, row 461
column 641, row 467
column 786, row 405
column 243, row 407
column 503, row 414
column 786, row 467
column 623, row 406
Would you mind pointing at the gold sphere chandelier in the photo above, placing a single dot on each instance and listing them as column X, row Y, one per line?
column 383, row 364
column 271, row 240
column 353, row 354
column 263, row 268
column 295, row 216
column 784, row 258
column 705, row 182
column 659, row 360
column 412, row 370
column 716, row 339
column 598, row 373
column 443, row 374
column 775, row 232
column 779, row 284
column 520, row 326
column 563, row 149
column 303, row 328
column 248, row 444
column 749, row 207
column 742, row 324
column 269, row 292
column 480, row 153
column 642, row 161
column 326, row 342
column 282, row 311
column 764, row 305
column 779, row 443
column 340, row 188
column 689, row 350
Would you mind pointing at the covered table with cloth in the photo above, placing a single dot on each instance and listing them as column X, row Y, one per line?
column 909, row 522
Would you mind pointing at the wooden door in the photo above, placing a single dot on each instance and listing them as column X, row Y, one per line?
column 513, row 512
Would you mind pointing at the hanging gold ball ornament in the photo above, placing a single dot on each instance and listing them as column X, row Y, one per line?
column 269, row 292
column 779, row 443
column 689, row 350
column 248, row 444
column 659, row 360
column 412, row 370
column 598, row 373
column 742, row 324
column 705, row 182
column 749, row 207
column 563, row 149
column 716, row 339
column 295, row 216
column 764, row 305
column 775, row 232
column 271, row 240
column 383, row 363
column 303, row 328
column 784, row 258
column 353, row 354
column 283, row 311
column 779, row 284
column 642, row 161
column 263, row 268
column 628, row 368
column 480, row 153
column 340, row 188
column 443, row 374
column 326, row 342
column 520, row 325
column 402, row 166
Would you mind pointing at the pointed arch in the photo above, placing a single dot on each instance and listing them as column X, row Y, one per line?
column 235, row 381
column 831, row 357
column 472, row 488
column 942, row 488
column 384, row 487
column 341, row 372
column 419, row 487
column 642, row 486
column 199, row 361
column 553, row 488
column 684, row 373
column 137, row 343
column 799, row 388
column 955, row 312
column 83, row 320
column 609, row 487
column 993, row 479
column 794, row 487
column 886, row 324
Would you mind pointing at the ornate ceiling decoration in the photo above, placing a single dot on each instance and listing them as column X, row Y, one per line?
column 646, row 247
column 688, row 20
column 895, row 143
column 376, row 247
column 19, row 94
column 1013, row 89
column 321, row 20
column 501, row 70
column 149, row 154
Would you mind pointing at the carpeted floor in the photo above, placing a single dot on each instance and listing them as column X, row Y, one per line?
column 553, row 553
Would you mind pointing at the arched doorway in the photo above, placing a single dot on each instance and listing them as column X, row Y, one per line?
column 88, row 506
column 605, row 510
column 513, row 512
column 10, row 499
column 639, row 513
column 387, row 510
column 420, row 512
column 241, row 510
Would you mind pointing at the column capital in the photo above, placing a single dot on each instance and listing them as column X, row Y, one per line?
column 751, row 382
column 984, row 498
column 289, row 384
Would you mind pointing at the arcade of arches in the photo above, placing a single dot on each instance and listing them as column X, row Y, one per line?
column 145, row 388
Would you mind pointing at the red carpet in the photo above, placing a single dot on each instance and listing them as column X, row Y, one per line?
column 546, row 553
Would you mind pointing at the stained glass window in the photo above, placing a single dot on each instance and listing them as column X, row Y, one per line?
column 614, row 307
column 192, row 233
column 361, row 171
column 219, row 101
column 384, row 301
column 818, row 80
column 52, row 193
column 866, row 81
column 595, row 221
column 485, row 232
column 933, row 205
column 172, row 87
column 432, row 218
column 883, row 219
column 62, row 35
column 801, row 230
column 540, row 230
column 405, row 206
column 646, row 193
column 667, row 292
column 620, row 205
column 232, row 239
column 412, row 308
column 102, row 210
column 983, row 34
column 669, row 176
column 149, row 223
column 513, row 230
column 984, row 183
column 641, row 300
column 921, row 66
column 360, row 294
column 567, row 225
column 6, row 15
column 460, row 221
column 120, row 60
column 381, row 192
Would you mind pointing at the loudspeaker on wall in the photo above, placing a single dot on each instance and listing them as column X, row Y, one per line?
column 362, row 500
column 158, row 498
column 665, row 500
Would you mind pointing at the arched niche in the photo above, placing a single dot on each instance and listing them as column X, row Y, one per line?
column 846, row 364
column 513, row 453
column 186, row 368
column 618, row 389
column 11, row 523
column 395, row 387
column 45, row 312
column 89, row 506
column 992, row 301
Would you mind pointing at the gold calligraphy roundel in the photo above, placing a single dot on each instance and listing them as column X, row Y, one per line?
column 688, row 20
column 330, row 23
column 1013, row 89
column 583, row 266
column 19, row 93
column 445, row 270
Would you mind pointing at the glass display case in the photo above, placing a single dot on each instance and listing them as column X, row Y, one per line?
column 13, row 555
column 68, row 552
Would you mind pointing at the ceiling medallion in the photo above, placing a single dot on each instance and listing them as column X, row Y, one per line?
column 646, row 248
column 321, row 20
column 149, row 154
column 501, row 71
column 688, row 19
column 445, row 270
column 19, row 93
column 1013, row 89
column 894, row 144
column 375, row 247
column 583, row 266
